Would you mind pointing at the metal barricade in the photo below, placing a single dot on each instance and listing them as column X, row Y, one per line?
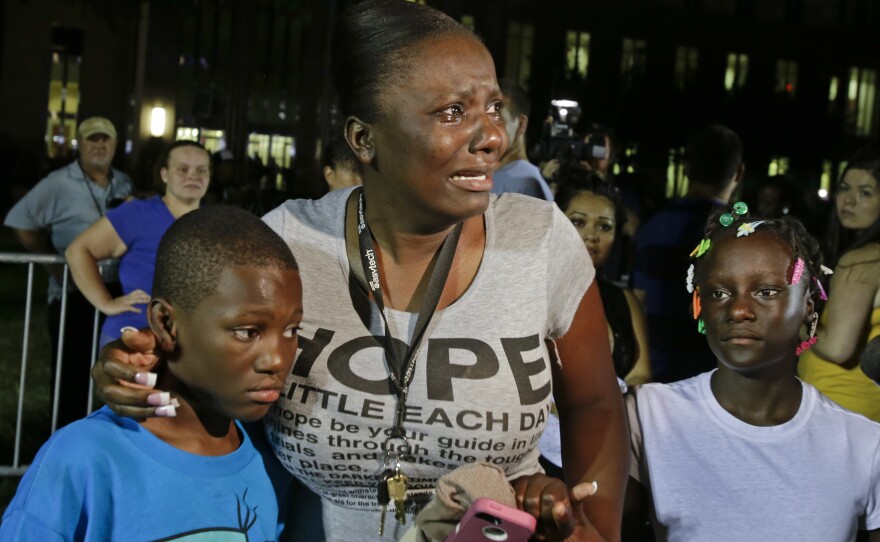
column 32, row 260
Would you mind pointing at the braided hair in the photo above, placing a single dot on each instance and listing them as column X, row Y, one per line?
column 787, row 228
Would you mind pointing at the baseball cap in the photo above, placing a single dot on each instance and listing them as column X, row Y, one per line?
column 96, row 125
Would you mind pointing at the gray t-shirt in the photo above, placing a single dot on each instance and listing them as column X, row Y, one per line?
column 65, row 203
column 481, row 389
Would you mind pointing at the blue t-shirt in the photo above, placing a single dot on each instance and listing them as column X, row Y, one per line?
column 522, row 177
column 140, row 224
column 108, row 478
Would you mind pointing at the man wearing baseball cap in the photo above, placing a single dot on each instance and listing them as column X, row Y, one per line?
column 45, row 220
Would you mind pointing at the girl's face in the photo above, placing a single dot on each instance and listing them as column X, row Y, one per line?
column 440, row 135
column 752, row 314
column 858, row 200
column 593, row 217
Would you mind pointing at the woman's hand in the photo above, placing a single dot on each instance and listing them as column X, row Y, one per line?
column 559, row 512
column 123, row 379
column 126, row 303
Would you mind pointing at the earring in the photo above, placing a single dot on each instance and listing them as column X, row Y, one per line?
column 806, row 345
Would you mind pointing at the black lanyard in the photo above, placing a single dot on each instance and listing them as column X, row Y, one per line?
column 88, row 180
column 401, row 373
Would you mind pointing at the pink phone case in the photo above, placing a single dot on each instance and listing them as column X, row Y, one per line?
column 490, row 520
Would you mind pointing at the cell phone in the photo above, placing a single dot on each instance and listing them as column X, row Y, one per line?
column 490, row 520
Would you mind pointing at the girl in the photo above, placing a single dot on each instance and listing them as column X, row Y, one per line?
column 748, row 451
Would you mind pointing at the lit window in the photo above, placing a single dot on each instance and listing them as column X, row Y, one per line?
column 686, row 62
column 676, row 180
column 832, row 91
column 468, row 21
column 633, row 59
column 64, row 97
column 778, row 166
column 825, row 179
column 860, row 112
column 786, row 77
column 577, row 53
column 520, row 40
column 212, row 140
column 737, row 69
column 273, row 149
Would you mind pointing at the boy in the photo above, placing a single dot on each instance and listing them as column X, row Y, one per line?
column 227, row 303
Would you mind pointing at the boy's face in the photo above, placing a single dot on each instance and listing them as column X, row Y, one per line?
column 235, row 349
column 752, row 314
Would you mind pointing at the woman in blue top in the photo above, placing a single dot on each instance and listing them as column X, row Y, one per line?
column 131, row 233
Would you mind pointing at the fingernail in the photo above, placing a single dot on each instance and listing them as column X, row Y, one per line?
column 175, row 402
column 160, row 398
column 127, row 328
column 587, row 489
column 560, row 510
column 167, row 411
column 146, row 379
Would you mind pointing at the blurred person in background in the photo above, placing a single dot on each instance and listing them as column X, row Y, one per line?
column 132, row 232
column 45, row 221
column 594, row 208
column 340, row 166
column 851, row 317
column 714, row 167
column 516, row 173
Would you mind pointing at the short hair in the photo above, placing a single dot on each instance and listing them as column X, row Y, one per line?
column 372, row 42
column 573, row 178
column 713, row 155
column 787, row 228
column 337, row 153
column 516, row 99
column 201, row 244
column 165, row 155
column 838, row 239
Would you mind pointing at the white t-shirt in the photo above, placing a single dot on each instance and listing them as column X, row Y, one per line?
column 481, row 390
column 715, row 478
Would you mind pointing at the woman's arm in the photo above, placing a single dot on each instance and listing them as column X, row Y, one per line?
column 591, row 416
column 849, row 307
column 98, row 242
column 641, row 371
column 123, row 374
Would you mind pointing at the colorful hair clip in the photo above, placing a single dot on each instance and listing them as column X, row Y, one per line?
column 739, row 209
column 822, row 295
column 696, row 303
column 690, row 279
column 797, row 272
column 701, row 326
column 747, row 228
column 701, row 248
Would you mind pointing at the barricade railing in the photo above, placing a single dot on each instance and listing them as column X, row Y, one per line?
column 31, row 261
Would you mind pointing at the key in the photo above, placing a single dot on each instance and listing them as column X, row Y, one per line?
column 383, row 497
column 397, row 492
